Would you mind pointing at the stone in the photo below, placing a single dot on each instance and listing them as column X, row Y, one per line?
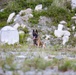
column 38, row 7
column 60, row 27
column 65, row 39
column 26, row 17
column 59, row 57
column 58, row 33
column 30, row 73
column 73, row 4
column 16, row 26
column 66, row 33
column 12, row 37
column 47, row 37
column 1, row 10
column 27, row 11
column 9, row 73
column 10, row 17
column 73, row 28
column 29, row 39
column 44, row 20
column 63, row 22
column 18, row 19
column 21, row 32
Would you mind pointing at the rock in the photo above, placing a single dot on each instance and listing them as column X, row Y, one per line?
column 58, row 33
column 30, row 73
column 27, row 11
column 23, row 25
column 73, row 4
column 59, row 57
column 1, row 10
column 21, row 32
column 39, row 73
column 16, row 26
column 38, row 7
column 60, row 27
column 12, row 37
column 73, row 28
column 1, row 71
column 47, row 37
column 66, row 33
column 62, row 33
column 21, row 57
column 74, row 17
column 20, row 72
column 63, row 22
column 65, row 39
column 75, row 35
column 9, row 73
column 18, row 19
column 26, row 17
column 29, row 39
column 44, row 20
column 10, row 17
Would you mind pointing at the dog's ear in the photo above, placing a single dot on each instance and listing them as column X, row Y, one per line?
column 36, row 31
column 33, row 30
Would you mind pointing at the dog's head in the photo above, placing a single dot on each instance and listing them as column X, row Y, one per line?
column 35, row 33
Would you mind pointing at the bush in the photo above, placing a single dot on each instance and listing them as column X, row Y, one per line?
column 2, row 24
column 4, row 15
column 33, row 3
column 13, row 6
column 68, row 5
column 65, row 66
column 24, row 35
column 21, row 38
column 38, row 63
column 36, row 17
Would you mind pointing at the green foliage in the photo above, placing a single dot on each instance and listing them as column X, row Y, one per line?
column 23, row 29
column 58, row 13
column 13, row 6
column 3, row 18
column 74, row 10
column 23, row 36
column 38, row 63
column 4, row 15
column 68, row 5
column 33, row 20
column 65, row 66
column 2, row 24
column 17, row 5
column 36, row 17
column 72, row 41
column 33, row 3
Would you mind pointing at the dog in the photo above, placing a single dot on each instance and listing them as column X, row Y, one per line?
column 40, row 43
column 36, row 39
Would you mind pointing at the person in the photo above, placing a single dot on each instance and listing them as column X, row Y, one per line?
column 35, row 36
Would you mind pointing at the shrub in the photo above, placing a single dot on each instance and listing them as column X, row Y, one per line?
column 38, row 63
column 21, row 38
column 4, row 15
column 2, row 24
column 13, row 6
column 33, row 3
column 24, row 35
column 65, row 66
column 68, row 5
